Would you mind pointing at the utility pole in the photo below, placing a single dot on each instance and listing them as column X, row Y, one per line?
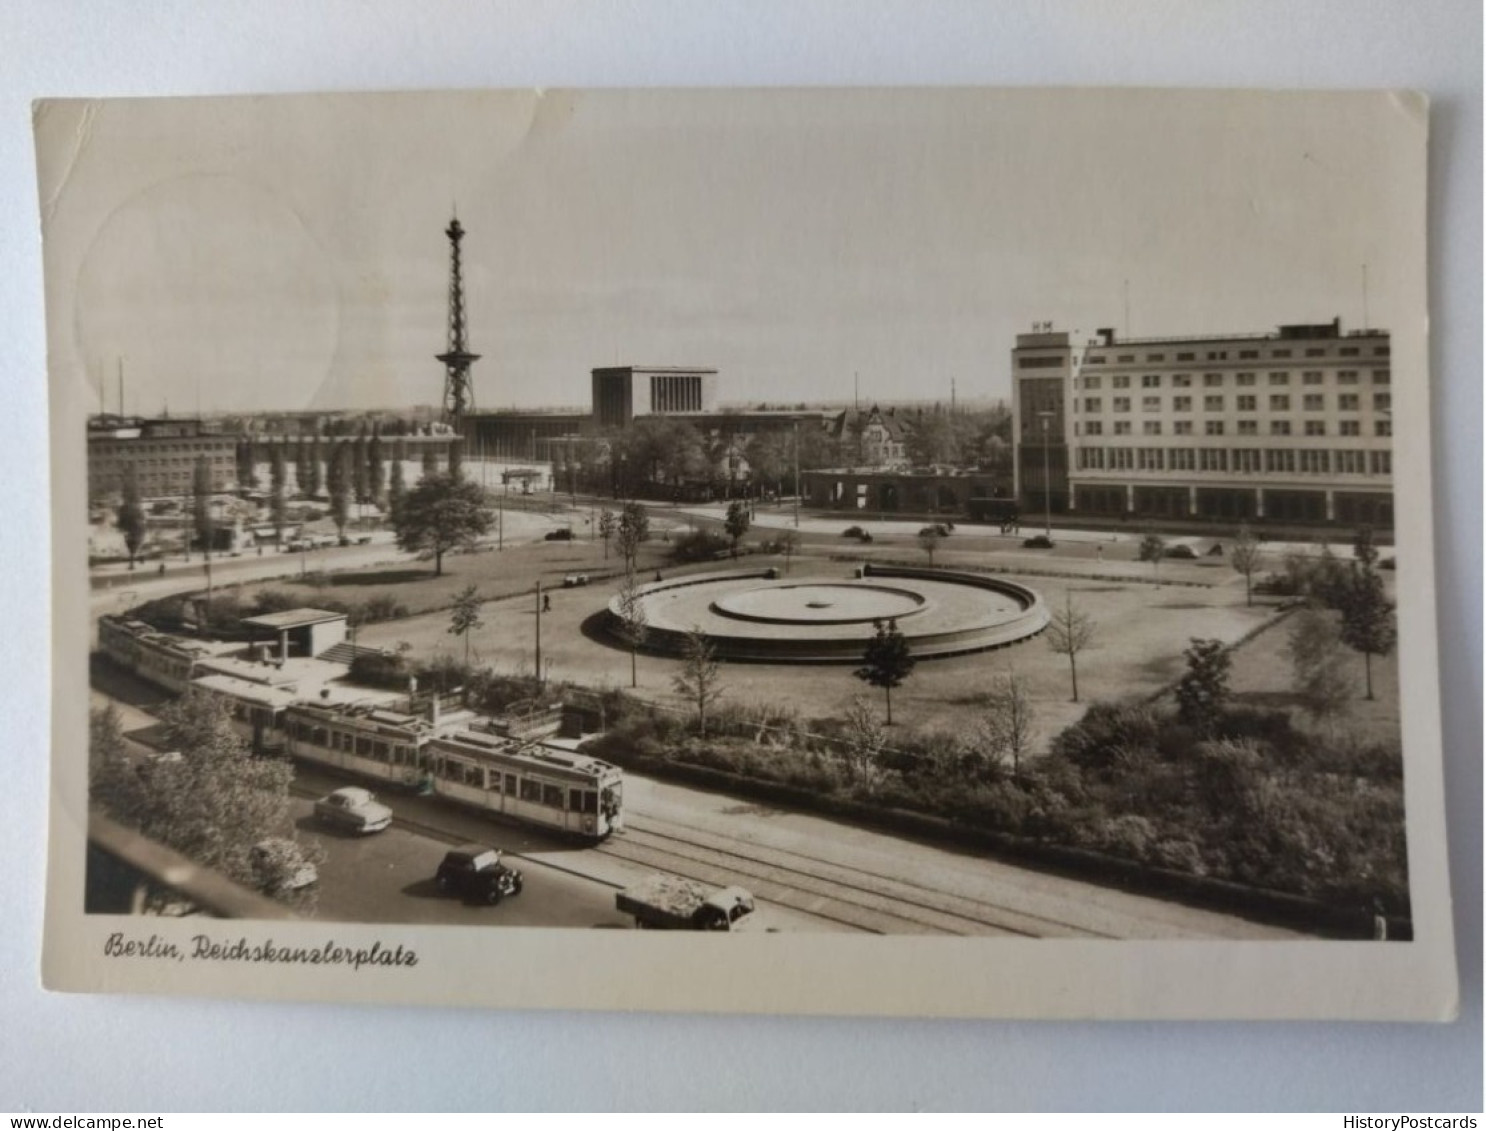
column 1047, row 479
column 539, row 634
column 797, row 475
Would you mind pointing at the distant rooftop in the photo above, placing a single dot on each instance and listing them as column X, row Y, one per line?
column 293, row 618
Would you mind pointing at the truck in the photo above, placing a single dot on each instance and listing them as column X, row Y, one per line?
column 671, row 903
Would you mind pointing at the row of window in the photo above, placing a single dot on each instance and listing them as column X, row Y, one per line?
column 1241, row 428
column 528, row 789
column 1242, row 355
column 1216, row 380
column 1244, row 402
column 363, row 746
column 1286, row 460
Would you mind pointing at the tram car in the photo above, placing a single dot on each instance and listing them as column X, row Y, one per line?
column 169, row 662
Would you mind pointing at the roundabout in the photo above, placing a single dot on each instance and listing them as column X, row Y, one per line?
column 754, row 615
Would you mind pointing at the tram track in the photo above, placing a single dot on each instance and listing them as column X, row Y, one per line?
column 869, row 901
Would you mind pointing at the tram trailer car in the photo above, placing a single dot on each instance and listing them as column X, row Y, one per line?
column 168, row 662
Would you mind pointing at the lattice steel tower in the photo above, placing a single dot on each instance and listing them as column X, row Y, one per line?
column 459, row 390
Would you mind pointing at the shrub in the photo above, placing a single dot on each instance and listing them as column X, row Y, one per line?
column 380, row 669
column 1038, row 542
column 381, row 608
column 1106, row 732
column 1182, row 550
column 853, row 532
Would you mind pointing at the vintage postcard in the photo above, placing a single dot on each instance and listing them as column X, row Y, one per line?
column 971, row 547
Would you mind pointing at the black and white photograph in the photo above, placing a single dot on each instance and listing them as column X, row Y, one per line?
column 972, row 544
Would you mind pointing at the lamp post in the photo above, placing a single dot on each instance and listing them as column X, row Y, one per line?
column 797, row 474
column 1047, row 479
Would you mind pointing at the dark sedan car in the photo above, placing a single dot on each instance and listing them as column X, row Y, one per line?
column 476, row 872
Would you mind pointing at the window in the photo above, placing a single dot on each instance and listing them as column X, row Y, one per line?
column 1121, row 382
column 1151, row 381
column 1122, row 428
column 1315, row 427
column 1181, row 404
column 1217, row 355
column 1248, row 428
column 1315, row 462
column 552, row 796
column 1181, row 380
column 1347, row 402
column 1279, row 378
column 531, row 790
column 1186, row 357
column 1212, row 380
column 1150, row 404
column 1313, row 402
column 1093, row 428
column 1092, row 382
column 1248, row 403
column 1383, row 402
column 1155, row 357
column 1214, row 428
column 1091, row 459
column 1382, row 377
column 1150, row 459
column 1279, row 459
column 1151, row 428
column 1279, row 428
column 1311, row 377
column 1316, row 351
column 1122, row 404
column 1093, row 404
column 1381, row 351
column 1182, row 428
column 1126, row 359
column 1349, row 428
column 1346, row 377
column 1382, row 428
column 1245, row 459
column 1213, row 459
column 1279, row 402
column 1348, row 351
column 1381, row 462
column 1121, row 459
column 1182, row 459
column 1094, row 359
column 1349, row 462
column 1212, row 404
column 1245, row 379
column 1246, row 355
column 1279, row 353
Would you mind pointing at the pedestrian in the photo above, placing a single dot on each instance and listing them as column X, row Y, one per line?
column 1099, row 552
column 546, row 602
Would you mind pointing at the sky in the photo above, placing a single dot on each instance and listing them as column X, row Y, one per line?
column 284, row 253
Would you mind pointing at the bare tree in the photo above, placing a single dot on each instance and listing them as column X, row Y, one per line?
column 633, row 621
column 1069, row 632
column 700, row 678
column 1153, row 549
column 608, row 526
column 1006, row 727
column 633, row 529
column 928, row 540
column 1245, row 559
column 465, row 617
column 789, row 545
column 865, row 740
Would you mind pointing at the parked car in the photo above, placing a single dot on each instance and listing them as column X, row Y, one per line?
column 562, row 534
column 1181, row 550
column 279, row 865
column 354, row 809
column 573, row 580
column 476, row 872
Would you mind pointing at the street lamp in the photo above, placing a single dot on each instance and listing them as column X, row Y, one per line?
column 1047, row 479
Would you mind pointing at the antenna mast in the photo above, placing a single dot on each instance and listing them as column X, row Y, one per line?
column 459, row 390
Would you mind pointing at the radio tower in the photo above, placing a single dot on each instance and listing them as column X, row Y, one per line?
column 459, row 391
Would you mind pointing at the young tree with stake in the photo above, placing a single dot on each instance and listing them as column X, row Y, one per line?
column 1245, row 558
column 887, row 661
column 1069, row 631
column 464, row 617
column 633, row 621
column 700, row 678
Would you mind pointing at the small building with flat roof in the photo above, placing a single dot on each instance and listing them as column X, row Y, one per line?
column 300, row 632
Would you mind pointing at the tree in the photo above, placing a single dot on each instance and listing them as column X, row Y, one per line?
column 1070, row 630
column 202, row 525
column 302, row 465
column 1153, row 549
column 1006, row 727
column 1202, row 691
column 131, row 519
column 1368, row 624
column 887, row 661
column 700, row 678
column 396, row 490
column 634, row 529
column 278, row 503
column 633, row 621
column 216, row 800
column 360, row 477
column 928, row 540
column 441, row 513
column 112, row 782
column 1364, row 549
column 736, row 523
column 464, row 617
column 312, row 487
column 338, row 483
column 789, row 545
column 1245, row 557
column 865, row 742
column 608, row 526
column 376, row 469
column 1315, row 658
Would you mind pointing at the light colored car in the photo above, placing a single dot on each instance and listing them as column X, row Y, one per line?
column 354, row 809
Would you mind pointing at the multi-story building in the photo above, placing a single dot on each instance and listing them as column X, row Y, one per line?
column 162, row 452
column 622, row 393
column 1290, row 426
column 873, row 438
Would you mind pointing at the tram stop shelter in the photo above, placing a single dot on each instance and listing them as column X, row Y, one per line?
column 299, row 632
